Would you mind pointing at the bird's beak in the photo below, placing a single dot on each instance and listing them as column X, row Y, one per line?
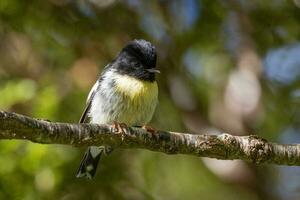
column 152, row 70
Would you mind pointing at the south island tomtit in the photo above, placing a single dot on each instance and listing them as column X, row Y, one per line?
column 126, row 92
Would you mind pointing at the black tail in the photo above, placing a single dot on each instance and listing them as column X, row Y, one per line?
column 88, row 165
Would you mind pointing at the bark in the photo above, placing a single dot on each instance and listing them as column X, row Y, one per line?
column 224, row 146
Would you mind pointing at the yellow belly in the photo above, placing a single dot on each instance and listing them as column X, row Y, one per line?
column 139, row 99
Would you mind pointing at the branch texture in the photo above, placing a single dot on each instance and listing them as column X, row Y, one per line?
column 227, row 147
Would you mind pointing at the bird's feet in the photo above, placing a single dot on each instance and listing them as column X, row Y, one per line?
column 120, row 128
column 149, row 129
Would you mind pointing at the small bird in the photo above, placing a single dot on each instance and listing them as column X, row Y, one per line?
column 125, row 93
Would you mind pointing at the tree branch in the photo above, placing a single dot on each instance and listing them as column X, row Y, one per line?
column 227, row 147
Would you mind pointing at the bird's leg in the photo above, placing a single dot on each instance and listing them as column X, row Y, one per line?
column 120, row 128
column 148, row 129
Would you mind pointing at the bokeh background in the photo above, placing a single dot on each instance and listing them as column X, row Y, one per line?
column 227, row 66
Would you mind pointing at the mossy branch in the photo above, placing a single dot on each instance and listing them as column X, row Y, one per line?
column 227, row 147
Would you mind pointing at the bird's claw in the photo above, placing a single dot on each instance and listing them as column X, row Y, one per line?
column 150, row 129
column 120, row 128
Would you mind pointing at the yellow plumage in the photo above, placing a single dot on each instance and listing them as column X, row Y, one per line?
column 140, row 99
column 136, row 89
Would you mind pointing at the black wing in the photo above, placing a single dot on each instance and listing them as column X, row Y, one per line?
column 84, row 116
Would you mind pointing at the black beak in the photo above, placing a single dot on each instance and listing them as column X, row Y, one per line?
column 152, row 70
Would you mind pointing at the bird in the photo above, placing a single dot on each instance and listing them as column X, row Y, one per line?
column 126, row 92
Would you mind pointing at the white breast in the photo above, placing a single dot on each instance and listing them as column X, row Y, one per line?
column 124, row 99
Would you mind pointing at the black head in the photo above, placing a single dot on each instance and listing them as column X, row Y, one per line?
column 137, row 59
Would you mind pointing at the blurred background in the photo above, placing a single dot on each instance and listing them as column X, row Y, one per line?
column 227, row 66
